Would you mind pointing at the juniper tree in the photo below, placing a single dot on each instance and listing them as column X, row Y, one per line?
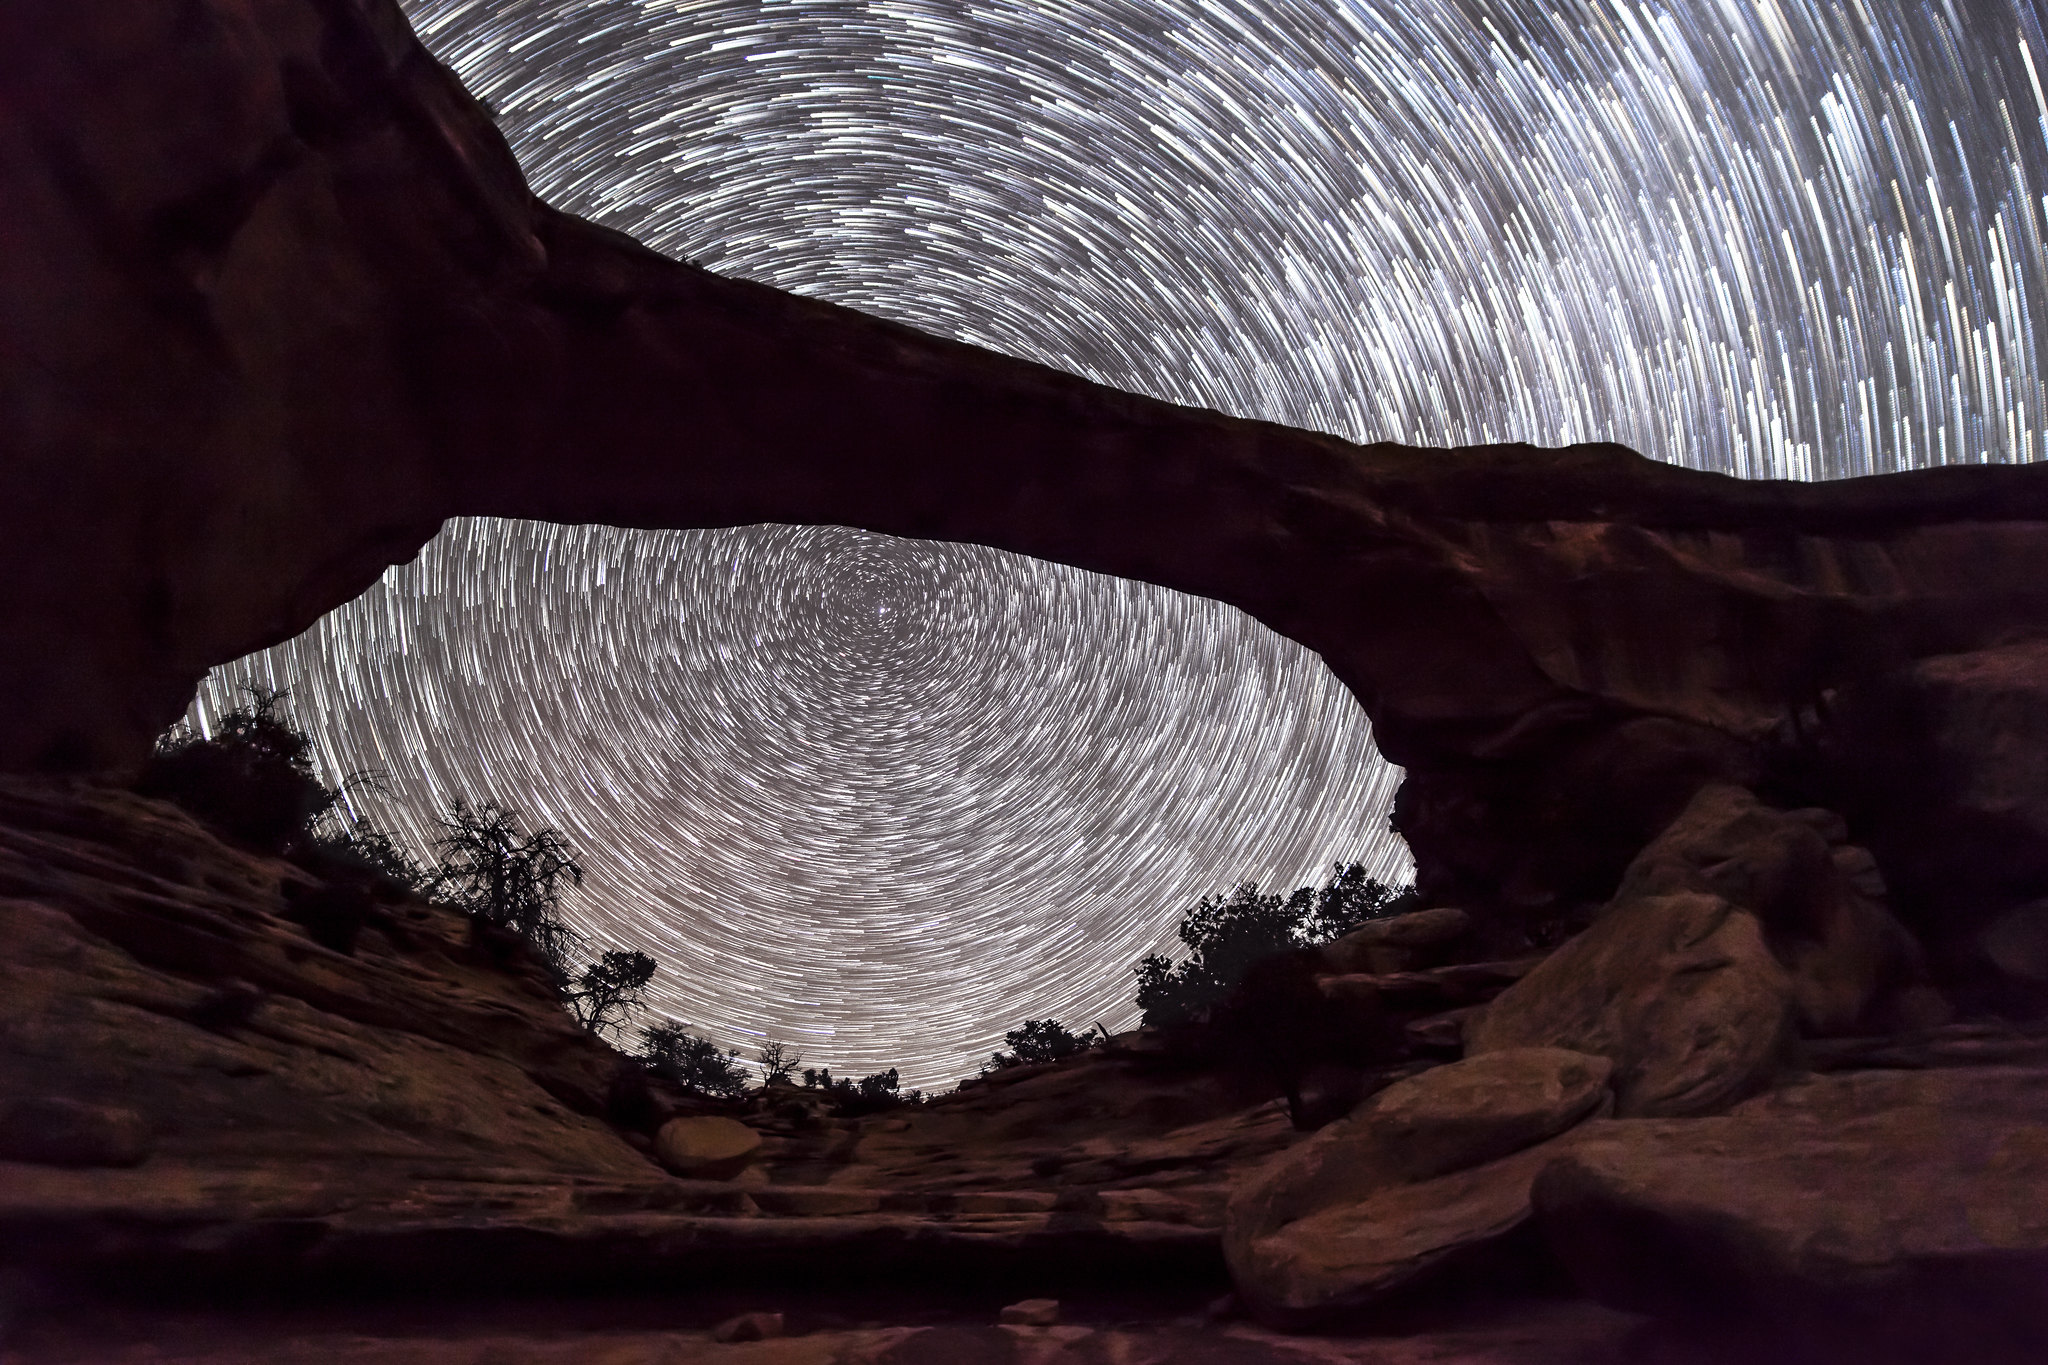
column 508, row 880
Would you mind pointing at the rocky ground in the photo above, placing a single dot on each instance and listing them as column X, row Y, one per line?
column 614, row 1332
column 1729, row 1120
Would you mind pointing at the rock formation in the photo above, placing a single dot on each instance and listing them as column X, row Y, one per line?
column 1905, row 1207
column 202, row 1090
column 193, row 1085
column 1756, row 764
column 277, row 302
column 1425, row 1170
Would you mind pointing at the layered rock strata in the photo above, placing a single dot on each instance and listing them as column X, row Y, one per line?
column 196, row 1091
column 1902, row 1212
column 194, row 1088
column 1427, row 1169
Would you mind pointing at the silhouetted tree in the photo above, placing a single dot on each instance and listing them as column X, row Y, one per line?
column 1043, row 1040
column 1349, row 899
column 1225, row 935
column 610, row 989
column 252, row 778
column 360, row 850
column 779, row 1062
column 507, row 880
column 694, row 1063
column 868, row 1095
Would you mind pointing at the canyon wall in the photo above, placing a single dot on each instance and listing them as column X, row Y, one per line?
column 275, row 301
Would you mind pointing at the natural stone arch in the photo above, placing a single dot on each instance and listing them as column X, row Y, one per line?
column 277, row 302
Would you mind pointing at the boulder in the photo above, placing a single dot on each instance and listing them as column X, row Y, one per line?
column 2016, row 943
column 1680, row 991
column 1431, row 990
column 707, row 1147
column 1439, row 1033
column 1821, row 900
column 1399, row 943
column 1939, row 760
column 1430, row 1168
column 1891, row 1214
column 1727, row 843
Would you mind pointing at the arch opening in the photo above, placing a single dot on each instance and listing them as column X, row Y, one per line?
column 877, row 798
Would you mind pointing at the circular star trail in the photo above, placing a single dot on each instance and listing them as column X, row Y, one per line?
column 885, row 799
column 880, row 799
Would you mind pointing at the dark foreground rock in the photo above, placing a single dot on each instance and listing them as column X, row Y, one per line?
column 636, row 1333
column 155, row 988
column 1738, row 929
column 1681, row 991
column 1430, row 1170
column 196, row 1091
column 1399, row 943
column 1940, row 762
column 200, row 1098
column 1896, row 1214
column 1894, row 1208
column 706, row 1147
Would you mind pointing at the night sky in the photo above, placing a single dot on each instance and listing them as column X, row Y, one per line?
column 884, row 799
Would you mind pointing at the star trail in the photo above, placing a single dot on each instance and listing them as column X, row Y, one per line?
column 884, row 799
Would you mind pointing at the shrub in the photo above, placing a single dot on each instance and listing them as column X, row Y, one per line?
column 779, row 1062
column 1043, row 1040
column 694, row 1063
column 1225, row 935
column 1349, row 899
column 610, row 989
column 252, row 779
column 361, row 854
column 868, row 1095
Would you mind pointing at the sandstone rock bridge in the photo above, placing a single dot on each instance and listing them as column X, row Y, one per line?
column 277, row 301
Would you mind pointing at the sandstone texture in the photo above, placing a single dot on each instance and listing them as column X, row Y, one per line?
column 1940, row 764
column 280, row 303
column 1808, row 1159
column 1030, row 1313
column 1429, row 1168
column 196, row 1093
column 1680, row 991
column 756, row 1326
column 1902, row 1211
column 156, row 998
column 1399, row 943
column 50, row 1130
column 193, row 1087
column 1737, row 929
column 1823, row 904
